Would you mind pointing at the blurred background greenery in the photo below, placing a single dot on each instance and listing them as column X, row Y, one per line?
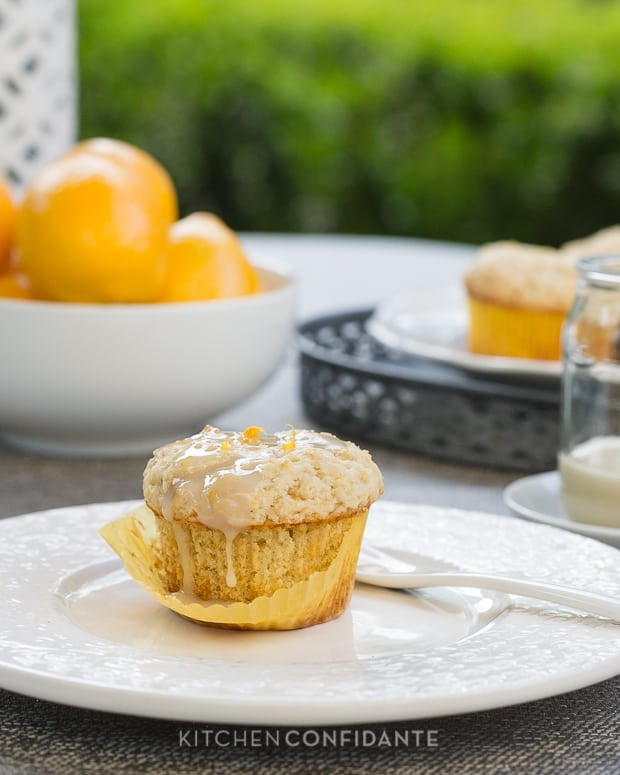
column 465, row 121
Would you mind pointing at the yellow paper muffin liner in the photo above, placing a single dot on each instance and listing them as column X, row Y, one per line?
column 320, row 598
column 514, row 332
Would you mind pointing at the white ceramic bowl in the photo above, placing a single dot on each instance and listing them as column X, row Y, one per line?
column 119, row 380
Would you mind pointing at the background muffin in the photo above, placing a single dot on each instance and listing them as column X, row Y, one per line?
column 518, row 297
column 602, row 243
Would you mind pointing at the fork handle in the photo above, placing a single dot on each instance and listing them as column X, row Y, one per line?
column 589, row 602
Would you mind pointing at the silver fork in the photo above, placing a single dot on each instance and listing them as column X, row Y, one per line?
column 384, row 568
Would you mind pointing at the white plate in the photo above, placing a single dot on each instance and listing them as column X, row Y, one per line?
column 537, row 497
column 439, row 333
column 77, row 630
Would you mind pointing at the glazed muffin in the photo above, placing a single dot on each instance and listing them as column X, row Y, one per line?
column 518, row 296
column 241, row 517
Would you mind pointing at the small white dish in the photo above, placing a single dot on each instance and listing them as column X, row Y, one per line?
column 537, row 498
column 77, row 630
column 439, row 333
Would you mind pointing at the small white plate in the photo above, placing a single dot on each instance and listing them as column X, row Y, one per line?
column 439, row 333
column 77, row 630
column 538, row 498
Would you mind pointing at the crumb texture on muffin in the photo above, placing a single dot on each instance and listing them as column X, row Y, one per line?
column 258, row 561
column 512, row 274
column 236, row 480
column 603, row 242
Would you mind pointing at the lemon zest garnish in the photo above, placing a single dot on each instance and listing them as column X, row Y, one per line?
column 291, row 443
column 252, row 433
column 225, row 445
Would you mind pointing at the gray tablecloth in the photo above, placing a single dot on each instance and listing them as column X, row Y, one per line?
column 574, row 733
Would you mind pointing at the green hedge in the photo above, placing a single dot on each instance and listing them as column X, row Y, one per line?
column 460, row 120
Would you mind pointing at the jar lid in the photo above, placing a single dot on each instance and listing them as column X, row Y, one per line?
column 601, row 271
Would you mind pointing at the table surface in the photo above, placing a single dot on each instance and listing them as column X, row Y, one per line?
column 573, row 733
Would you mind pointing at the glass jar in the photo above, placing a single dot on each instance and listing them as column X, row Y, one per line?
column 589, row 459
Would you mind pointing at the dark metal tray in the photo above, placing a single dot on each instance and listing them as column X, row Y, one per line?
column 357, row 387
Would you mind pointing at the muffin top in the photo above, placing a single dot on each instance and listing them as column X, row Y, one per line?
column 523, row 276
column 601, row 243
column 234, row 480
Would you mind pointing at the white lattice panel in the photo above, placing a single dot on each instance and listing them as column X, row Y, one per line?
column 38, row 110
